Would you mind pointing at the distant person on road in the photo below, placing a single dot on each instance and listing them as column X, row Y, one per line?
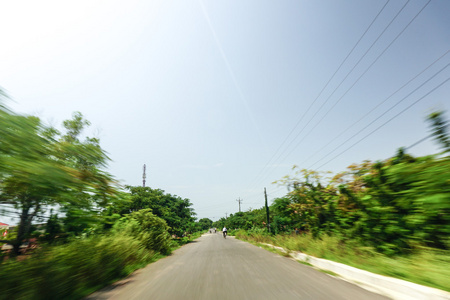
column 224, row 232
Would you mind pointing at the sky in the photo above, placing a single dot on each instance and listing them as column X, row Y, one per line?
column 221, row 98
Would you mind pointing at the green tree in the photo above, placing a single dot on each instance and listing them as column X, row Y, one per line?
column 40, row 167
column 52, row 228
column 237, row 221
column 205, row 223
column 422, row 200
column 282, row 215
column 149, row 229
column 176, row 211
column 311, row 202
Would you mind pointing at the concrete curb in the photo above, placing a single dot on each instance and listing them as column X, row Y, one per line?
column 391, row 287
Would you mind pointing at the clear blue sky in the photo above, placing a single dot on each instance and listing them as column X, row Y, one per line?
column 206, row 93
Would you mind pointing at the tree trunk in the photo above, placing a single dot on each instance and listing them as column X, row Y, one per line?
column 24, row 226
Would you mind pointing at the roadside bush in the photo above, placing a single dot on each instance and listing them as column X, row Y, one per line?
column 149, row 229
column 424, row 265
column 257, row 235
column 73, row 270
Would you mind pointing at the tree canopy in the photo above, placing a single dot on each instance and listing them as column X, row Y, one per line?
column 41, row 167
column 176, row 211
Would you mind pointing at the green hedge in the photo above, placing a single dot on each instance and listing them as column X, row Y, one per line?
column 149, row 229
column 73, row 270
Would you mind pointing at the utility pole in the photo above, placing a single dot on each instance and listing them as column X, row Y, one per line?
column 226, row 215
column 143, row 177
column 267, row 211
column 239, row 200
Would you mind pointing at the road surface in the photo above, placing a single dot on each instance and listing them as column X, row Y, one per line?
column 213, row 268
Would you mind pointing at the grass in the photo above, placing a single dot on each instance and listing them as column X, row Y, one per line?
column 287, row 254
column 76, row 269
column 425, row 266
column 274, row 250
column 305, row 263
column 329, row 272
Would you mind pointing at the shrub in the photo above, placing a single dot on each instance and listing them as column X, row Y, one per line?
column 149, row 229
column 73, row 270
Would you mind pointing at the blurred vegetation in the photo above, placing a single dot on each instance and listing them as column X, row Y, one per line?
column 94, row 232
column 394, row 213
column 391, row 205
column 147, row 228
column 73, row 270
column 385, row 216
column 425, row 266
column 41, row 167
column 176, row 211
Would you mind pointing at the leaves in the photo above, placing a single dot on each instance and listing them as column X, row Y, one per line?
column 176, row 211
column 40, row 167
column 439, row 129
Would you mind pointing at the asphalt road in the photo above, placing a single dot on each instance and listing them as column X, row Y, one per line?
column 212, row 267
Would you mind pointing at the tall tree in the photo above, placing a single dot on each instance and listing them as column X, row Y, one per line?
column 40, row 167
column 175, row 210
column 311, row 200
column 205, row 223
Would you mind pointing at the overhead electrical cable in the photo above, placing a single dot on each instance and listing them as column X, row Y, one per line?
column 357, row 63
column 384, row 113
column 259, row 195
column 419, row 141
column 374, row 108
column 345, row 78
column 382, row 125
column 326, row 85
column 357, row 80
column 367, row 69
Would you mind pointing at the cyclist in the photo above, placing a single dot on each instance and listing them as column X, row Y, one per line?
column 224, row 232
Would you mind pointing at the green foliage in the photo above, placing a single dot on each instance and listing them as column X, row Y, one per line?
column 439, row 129
column 426, row 266
column 176, row 211
column 422, row 199
column 205, row 224
column 149, row 229
column 243, row 220
column 53, row 228
column 41, row 167
column 236, row 220
column 389, row 206
column 73, row 270
column 255, row 234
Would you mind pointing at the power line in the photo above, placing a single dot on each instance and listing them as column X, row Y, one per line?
column 420, row 141
column 374, row 108
column 342, row 81
column 372, row 132
column 384, row 113
column 367, row 69
column 326, row 85
column 357, row 80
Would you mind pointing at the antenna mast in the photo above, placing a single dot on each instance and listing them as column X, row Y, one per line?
column 143, row 177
